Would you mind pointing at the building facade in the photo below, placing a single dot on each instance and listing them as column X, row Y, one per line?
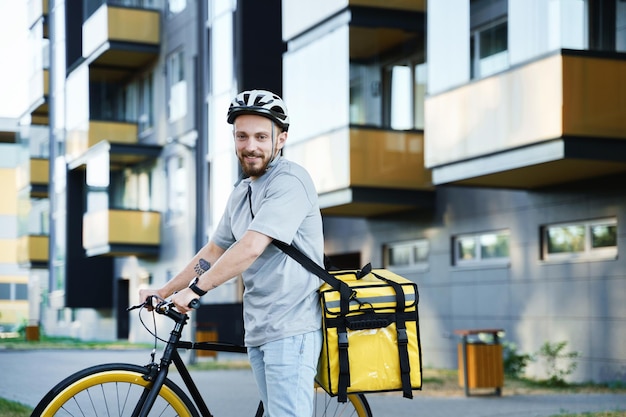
column 477, row 147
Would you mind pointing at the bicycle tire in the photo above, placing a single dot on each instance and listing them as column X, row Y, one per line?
column 325, row 406
column 111, row 390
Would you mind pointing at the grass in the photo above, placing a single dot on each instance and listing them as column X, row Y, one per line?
column 13, row 409
column 46, row 342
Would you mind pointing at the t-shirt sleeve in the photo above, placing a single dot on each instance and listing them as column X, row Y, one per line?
column 223, row 236
column 284, row 207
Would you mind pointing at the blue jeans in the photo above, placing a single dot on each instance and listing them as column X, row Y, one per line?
column 284, row 371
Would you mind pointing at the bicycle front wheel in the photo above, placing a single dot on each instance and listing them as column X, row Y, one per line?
column 111, row 390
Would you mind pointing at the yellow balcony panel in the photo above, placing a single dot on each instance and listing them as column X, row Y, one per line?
column 33, row 250
column 13, row 311
column 118, row 232
column 366, row 172
column 112, row 132
column 119, row 41
column 46, row 82
column 39, row 177
column 554, row 120
column 9, row 184
column 39, row 171
column 79, row 141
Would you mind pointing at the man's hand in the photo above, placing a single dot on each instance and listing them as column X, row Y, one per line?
column 182, row 299
column 148, row 292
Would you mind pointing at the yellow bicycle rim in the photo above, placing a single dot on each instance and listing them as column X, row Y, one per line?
column 121, row 376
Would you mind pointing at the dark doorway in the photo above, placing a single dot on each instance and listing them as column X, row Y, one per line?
column 123, row 320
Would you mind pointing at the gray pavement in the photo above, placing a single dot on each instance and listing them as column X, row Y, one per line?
column 25, row 376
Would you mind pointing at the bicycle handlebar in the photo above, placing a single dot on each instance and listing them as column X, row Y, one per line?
column 166, row 307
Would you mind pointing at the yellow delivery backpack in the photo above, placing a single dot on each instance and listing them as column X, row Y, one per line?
column 371, row 330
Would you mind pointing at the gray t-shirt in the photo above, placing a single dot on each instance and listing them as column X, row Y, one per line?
column 280, row 297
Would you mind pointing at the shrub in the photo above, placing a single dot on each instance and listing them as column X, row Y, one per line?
column 559, row 364
column 514, row 362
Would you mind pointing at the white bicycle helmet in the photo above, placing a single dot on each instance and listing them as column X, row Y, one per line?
column 262, row 103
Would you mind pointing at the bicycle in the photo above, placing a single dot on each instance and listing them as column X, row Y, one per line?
column 122, row 389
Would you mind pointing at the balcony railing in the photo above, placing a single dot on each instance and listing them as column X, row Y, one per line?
column 33, row 250
column 119, row 41
column 118, row 232
column 79, row 142
column 365, row 172
column 39, row 177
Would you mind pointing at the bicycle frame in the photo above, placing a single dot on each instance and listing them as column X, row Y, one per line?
column 158, row 374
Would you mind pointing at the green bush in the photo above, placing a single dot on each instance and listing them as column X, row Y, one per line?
column 514, row 362
column 559, row 364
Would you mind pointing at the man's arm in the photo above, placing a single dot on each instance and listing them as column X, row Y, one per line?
column 233, row 262
column 210, row 253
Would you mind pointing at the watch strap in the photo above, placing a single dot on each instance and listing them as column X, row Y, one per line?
column 195, row 288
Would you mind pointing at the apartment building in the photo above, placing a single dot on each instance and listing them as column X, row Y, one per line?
column 476, row 147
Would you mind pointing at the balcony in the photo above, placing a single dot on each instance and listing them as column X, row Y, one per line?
column 37, row 9
column 32, row 250
column 118, row 232
column 118, row 139
column 552, row 121
column 8, row 130
column 39, row 177
column 39, row 91
column 366, row 172
column 119, row 42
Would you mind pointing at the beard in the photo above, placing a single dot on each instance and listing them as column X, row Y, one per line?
column 255, row 167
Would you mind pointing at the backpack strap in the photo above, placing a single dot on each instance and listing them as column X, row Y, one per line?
column 345, row 293
column 403, row 340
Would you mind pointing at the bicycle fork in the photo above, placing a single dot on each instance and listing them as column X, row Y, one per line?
column 151, row 392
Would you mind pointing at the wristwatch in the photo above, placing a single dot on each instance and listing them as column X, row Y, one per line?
column 195, row 288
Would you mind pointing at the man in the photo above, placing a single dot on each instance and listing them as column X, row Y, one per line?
column 276, row 200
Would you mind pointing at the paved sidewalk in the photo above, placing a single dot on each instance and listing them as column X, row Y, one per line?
column 25, row 376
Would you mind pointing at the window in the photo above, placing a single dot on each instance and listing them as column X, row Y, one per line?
column 176, row 6
column 146, row 96
column 591, row 239
column 13, row 291
column 407, row 255
column 391, row 96
column 488, row 37
column 176, row 188
column 177, row 86
column 483, row 248
column 607, row 25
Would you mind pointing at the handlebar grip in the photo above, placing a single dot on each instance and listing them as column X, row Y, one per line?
column 195, row 303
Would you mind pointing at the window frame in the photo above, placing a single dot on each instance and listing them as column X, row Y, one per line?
column 486, row 15
column 588, row 253
column 414, row 264
column 479, row 259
